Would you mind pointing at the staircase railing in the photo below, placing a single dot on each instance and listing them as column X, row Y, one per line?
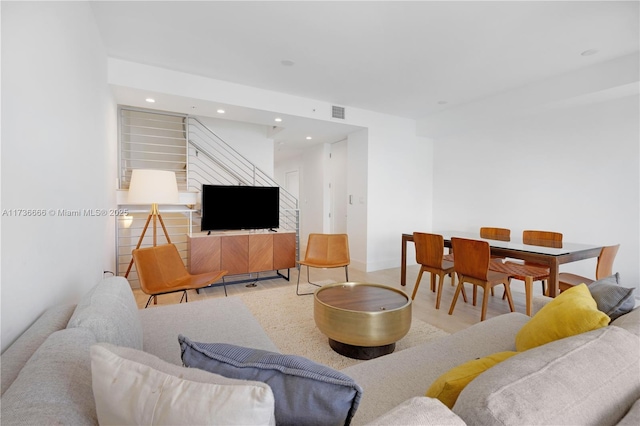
column 204, row 158
column 212, row 160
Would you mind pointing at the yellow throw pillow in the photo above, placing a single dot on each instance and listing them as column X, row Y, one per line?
column 448, row 386
column 573, row 312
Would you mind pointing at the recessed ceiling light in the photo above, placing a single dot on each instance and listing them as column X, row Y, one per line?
column 308, row 138
column 442, row 102
column 220, row 111
column 589, row 52
column 278, row 119
column 150, row 100
column 287, row 63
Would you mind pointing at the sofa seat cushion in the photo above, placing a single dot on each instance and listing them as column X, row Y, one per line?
column 133, row 387
column 574, row 311
column 419, row 411
column 632, row 418
column 415, row 368
column 630, row 321
column 589, row 378
column 221, row 319
column 110, row 311
column 305, row 392
column 54, row 387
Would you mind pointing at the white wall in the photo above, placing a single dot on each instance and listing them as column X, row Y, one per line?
column 563, row 158
column 397, row 162
column 58, row 118
column 357, row 177
column 400, row 184
column 250, row 140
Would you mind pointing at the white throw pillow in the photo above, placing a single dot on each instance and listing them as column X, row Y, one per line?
column 134, row 387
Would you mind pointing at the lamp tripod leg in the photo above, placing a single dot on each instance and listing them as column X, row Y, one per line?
column 144, row 230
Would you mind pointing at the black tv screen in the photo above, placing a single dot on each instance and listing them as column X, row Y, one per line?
column 226, row 207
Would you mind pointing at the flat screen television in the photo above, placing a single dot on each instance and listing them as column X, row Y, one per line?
column 227, row 207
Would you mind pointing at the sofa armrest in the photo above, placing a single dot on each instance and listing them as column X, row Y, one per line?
column 538, row 303
column 419, row 411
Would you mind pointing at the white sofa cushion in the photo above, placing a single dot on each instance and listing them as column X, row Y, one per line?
column 133, row 387
column 110, row 311
column 419, row 411
column 589, row 378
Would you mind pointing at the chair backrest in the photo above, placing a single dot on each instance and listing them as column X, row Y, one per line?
column 500, row 234
column 429, row 249
column 604, row 267
column 471, row 257
column 542, row 238
column 331, row 250
column 158, row 267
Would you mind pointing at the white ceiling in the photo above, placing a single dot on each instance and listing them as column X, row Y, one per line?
column 399, row 58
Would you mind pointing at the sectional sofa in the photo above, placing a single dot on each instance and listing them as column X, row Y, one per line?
column 589, row 378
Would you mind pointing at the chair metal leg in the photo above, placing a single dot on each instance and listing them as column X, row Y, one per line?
column 185, row 297
column 225, row 287
column 346, row 273
column 148, row 301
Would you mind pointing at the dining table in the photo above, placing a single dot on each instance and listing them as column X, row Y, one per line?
column 516, row 249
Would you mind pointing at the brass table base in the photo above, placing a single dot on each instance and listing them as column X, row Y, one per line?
column 361, row 352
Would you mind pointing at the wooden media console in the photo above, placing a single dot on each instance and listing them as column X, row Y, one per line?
column 241, row 252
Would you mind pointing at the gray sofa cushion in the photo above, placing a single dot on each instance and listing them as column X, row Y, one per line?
column 589, row 378
column 54, row 387
column 110, row 311
column 17, row 355
column 306, row 393
column 419, row 411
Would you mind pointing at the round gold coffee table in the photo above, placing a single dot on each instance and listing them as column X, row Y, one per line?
column 362, row 320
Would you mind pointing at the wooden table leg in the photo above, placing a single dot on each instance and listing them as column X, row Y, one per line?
column 528, row 290
column 554, row 268
column 403, row 262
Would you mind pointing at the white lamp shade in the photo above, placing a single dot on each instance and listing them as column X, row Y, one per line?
column 153, row 186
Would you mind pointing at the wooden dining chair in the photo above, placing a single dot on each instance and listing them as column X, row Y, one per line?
column 162, row 271
column 604, row 268
column 500, row 234
column 325, row 251
column 429, row 255
column 472, row 259
column 542, row 239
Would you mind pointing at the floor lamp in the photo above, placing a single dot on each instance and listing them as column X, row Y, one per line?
column 152, row 187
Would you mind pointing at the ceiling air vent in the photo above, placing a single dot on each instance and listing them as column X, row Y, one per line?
column 337, row 112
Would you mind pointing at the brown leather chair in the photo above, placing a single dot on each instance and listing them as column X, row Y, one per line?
column 472, row 266
column 604, row 268
column 430, row 256
column 325, row 251
column 162, row 271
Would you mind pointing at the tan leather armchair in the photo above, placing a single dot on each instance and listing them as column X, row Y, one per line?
column 325, row 251
column 162, row 271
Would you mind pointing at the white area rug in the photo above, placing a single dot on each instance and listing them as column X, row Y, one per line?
column 288, row 321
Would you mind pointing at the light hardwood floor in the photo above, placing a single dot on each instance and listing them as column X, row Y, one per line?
column 464, row 315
